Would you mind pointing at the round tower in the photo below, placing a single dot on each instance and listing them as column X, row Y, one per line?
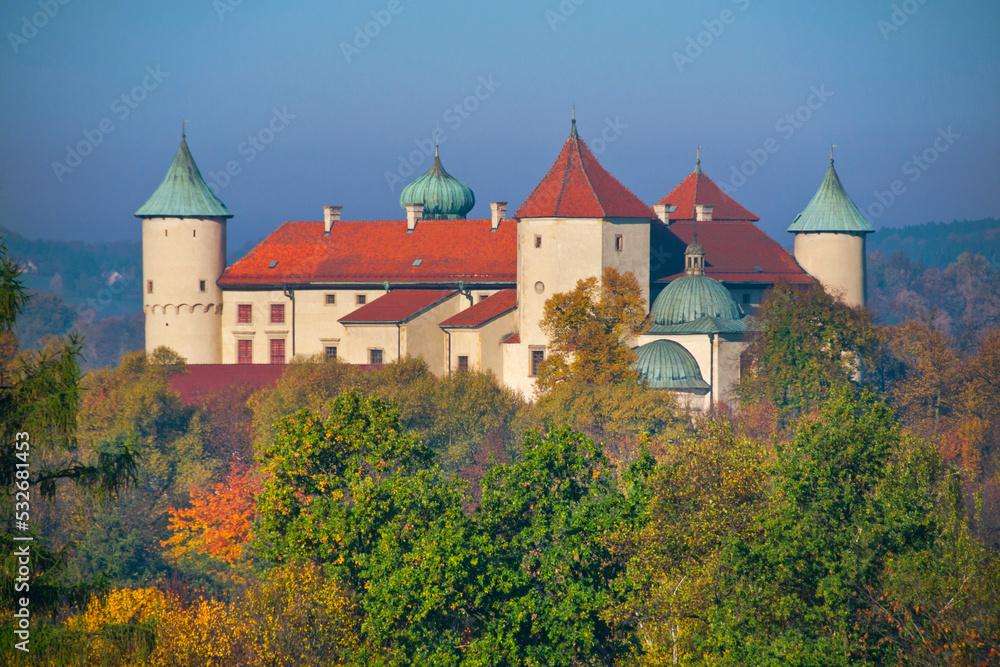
column 830, row 241
column 183, row 255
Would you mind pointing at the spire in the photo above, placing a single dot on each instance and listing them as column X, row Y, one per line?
column 572, row 131
column 697, row 161
column 831, row 209
column 183, row 192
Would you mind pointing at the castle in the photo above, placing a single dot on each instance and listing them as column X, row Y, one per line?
column 469, row 293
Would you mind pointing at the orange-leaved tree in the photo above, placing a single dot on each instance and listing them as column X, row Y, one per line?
column 219, row 520
column 587, row 328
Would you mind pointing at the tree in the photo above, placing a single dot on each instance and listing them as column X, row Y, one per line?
column 807, row 347
column 588, row 328
column 852, row 499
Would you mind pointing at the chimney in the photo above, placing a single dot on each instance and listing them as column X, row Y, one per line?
column 498, row 209
column 331, row 214
column 414, row 212
column 703, row 212
column 662, row 212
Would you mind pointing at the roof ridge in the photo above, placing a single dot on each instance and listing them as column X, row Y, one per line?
column 586, row 175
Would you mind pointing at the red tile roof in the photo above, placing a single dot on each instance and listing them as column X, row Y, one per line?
column 698, row 188
column 202, row 380
column 513, row 338
column 376, row 251
column 397, row 306
column 577, row 186
column 733, row 253
column 485, row 311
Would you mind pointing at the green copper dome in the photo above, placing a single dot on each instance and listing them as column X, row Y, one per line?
column 663, row 364
column 831, row 210
column 690, row 298
column 444, row 197
column 183, row 192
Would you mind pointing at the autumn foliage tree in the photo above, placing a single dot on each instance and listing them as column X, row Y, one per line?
column 588, row 328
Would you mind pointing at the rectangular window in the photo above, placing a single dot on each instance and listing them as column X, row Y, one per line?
column 201, row 285
column 277, row 350
column 244, row 351
column 149, row 287
column 746, row 298
column 244, row 313
column 463, row 363
column 375, row 357
column 361, row 299
column 538, row 241
column 277, row 313
column 482, row 297
column 537, row 357
column 331, row 299
column 331, row 352
column 619, row 242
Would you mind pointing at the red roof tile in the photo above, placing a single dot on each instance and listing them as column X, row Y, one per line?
column 376, row 251
column 397, row 306
column 698, row 188
column 577, row 186
column 201, row 380
column 486, row 310
column 733, row 253
column 513, row 338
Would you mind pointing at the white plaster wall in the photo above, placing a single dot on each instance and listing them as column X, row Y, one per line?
column 424, row 338
column 177, row 254
column 482, row 345
column 837, row 261
column 634, row 255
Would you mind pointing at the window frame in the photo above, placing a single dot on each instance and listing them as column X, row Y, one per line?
column 277, row 343
column 279, row 310
column 244, row 313
column 244, row 351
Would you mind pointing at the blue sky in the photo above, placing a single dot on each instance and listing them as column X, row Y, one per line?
column 306, row 109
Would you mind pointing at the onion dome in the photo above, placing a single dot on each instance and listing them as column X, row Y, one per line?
column 444, row 197
column 694, row 295
column 831, row 210
column 664, row 364
column 183, row 192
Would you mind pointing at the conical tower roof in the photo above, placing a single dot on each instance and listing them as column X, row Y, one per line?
column 577, row 186
column 444, row 197
column 831, row 210
column 183, row 192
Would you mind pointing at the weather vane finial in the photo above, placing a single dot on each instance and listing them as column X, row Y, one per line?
column 183, row 129
column 697, row 159
column 573, row 122
column 437, row 139
column 832, row 146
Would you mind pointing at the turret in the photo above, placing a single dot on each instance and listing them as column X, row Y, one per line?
column 183, row 255
column 830, row 241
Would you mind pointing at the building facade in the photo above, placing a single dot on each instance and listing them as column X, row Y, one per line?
column 469, row 293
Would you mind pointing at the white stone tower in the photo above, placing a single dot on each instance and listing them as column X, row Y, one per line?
column 830, row 241
column 183, row 255
column 577, row 221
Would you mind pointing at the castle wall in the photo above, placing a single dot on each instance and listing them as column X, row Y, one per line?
column 182, row 258
column 837, row 261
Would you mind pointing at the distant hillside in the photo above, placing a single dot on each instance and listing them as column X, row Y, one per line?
column 937, row 244
column 102, row 276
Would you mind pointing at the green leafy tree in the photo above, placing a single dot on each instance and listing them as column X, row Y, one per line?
column 588, row 328
column 851, row 496
column 808, row 346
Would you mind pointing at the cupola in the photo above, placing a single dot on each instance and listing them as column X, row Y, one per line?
column 443, row 196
